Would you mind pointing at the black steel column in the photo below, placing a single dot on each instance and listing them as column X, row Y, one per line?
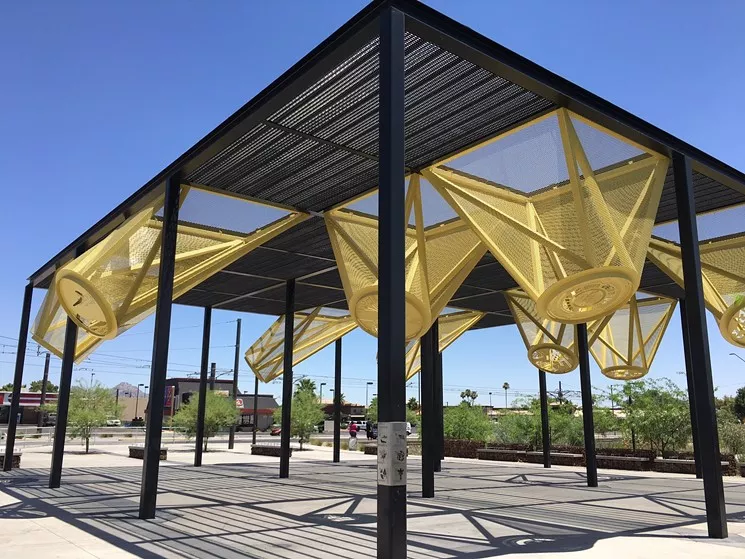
column 231, row 436
column 703, row 389
column 428, row 406
column 587, row 416
column 545, row 429
column 337, row 401
column 202, row 402
column 43, row 397
column 391, row 270
column 284, row 455
column 439, row 422
column 256, row 410
column 10, row 436
column 161, row 339
column 689, row 385
column 63, row 403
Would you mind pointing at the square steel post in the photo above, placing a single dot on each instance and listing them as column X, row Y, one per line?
column 10, row 436
column 202, row 402
column 161, row 339
column 689, row 385
column 545, row 429
column 284, row 455
column 63, row 403
column 256, row 410
column 698, row 348
column 587, row 415
column 430, row 445
column 439, row 422
column 391, row 513
column 44, row 382
column 337, row 400
column 236, row 364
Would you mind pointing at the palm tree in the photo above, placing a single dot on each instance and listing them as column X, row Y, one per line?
column 306, row 385
column 506, row 387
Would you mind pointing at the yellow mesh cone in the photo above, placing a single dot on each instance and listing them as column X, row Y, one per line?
column 723, row 275
column 313, row 330
column 438, row 259
column 551, row 345
column 49, row 329
column 114, row 285
column 451, row 327
column 575, row 246
column 626, row 345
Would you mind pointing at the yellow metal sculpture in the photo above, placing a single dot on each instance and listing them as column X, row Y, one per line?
column 114, row 284
column 451, row 327
column 723, row 275
column 438, row 259
column 576, row 246
column 313, row 330
column 49, row 329
column 626, row 345
column 551, row 345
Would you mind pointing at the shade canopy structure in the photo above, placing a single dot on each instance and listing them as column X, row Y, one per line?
column 576, row 245
column 625, row 345
column 551, row 345
column 723, row 275
column 452, row 324
column 312, row 331
column 438, row 258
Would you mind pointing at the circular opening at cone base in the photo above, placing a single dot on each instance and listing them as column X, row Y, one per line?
column 85, row 305
column 588, row 295
column 364, row 309
column 552, row 358
column 624, row 372
column 732, row 324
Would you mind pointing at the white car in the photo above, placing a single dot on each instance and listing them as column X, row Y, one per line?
column 113, row 423
column 408, row 428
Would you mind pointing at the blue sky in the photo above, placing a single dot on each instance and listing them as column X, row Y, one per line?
column 98, row 97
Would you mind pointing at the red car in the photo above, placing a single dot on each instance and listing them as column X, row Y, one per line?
column 275, row 431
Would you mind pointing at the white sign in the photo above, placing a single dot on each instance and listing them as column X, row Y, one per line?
column 392, row 453
column 239, row 403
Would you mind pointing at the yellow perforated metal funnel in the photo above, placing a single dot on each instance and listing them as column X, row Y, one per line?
column 723, row 275
column 574, row 220
column 626, row 345
column 114, row 285
column 451, row 326
column 438, row 258
column 551, row 345
column 313, row 330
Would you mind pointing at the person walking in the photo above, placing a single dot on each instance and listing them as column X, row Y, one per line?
column 352, row 436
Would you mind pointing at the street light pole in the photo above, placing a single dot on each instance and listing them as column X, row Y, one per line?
column 137, row 400
column 367, row 385
column 92, row 375
column 490, row 400
column 740, row 358
column 322, row 385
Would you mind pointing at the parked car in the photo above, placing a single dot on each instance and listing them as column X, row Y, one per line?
column 275, row 431
column 113, row 422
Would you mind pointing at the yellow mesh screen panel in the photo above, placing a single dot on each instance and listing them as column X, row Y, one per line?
column 626, row 345
column 313, row 330
column 451, row 327
column 114, row 285
column 438, row 259
column 723, row 275
column 575, row 246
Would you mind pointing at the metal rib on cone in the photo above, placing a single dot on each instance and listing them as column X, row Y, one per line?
column 312, row 331
column 723, row 275
column 626, row 345
column 438, row 259
column 575, row 246
column 114, row 285
column 451, row 326
column 551, row 345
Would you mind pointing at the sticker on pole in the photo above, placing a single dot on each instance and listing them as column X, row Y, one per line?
column 392, row 453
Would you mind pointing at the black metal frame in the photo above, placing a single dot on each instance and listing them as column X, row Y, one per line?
column 10, row 436
column 690, row 386
column 703, row 388
column 588, row 422
column 256, row 410
column 439, row 422
column 337, row 400
column 202, row 398
column 63, row 403
column 428, row 406
column 161, row 339
column 391, row 273
column 287, row 382
column 236, row 365
column 545, row 427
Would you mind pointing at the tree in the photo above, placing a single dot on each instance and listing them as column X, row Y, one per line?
column 36, row 386
column 739, row 404
column 306, row 414
column 9, row 387
column 372, row 410
column 219, row 412
column 90, row 406
column 469, row 396
column 731, row 432
column 412, row 404
column 468, row 422
column 505, row 387
column 305, row 385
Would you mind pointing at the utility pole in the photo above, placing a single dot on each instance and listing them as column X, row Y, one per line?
column 213, row 372
column 231, row 436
